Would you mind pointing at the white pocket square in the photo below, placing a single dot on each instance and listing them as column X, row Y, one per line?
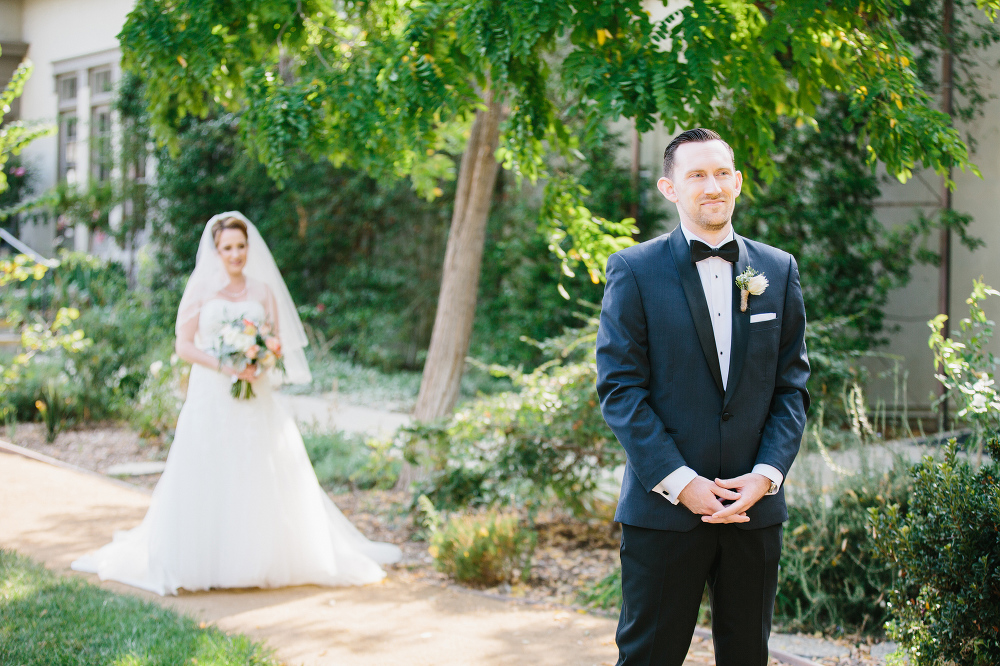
column 763, row 316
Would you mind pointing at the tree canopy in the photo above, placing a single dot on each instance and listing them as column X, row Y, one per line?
column 388, row 86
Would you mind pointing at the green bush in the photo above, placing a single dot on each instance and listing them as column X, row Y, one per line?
column 346, row 461
column 158, row 404
column 547, row 441
column 104, row 379
column 945, row 606
column 831, row 579
column 484, row 549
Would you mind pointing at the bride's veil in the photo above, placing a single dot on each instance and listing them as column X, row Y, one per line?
column 209, row 276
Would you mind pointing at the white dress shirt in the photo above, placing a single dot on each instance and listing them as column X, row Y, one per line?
column 717, row 282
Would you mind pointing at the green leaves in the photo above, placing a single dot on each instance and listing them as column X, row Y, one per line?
column 376, row 85
column 944, row 605
column 15, row 136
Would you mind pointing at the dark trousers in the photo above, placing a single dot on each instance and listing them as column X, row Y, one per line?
column 663, row 579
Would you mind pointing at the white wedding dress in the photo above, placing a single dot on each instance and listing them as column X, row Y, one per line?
column 238, row 504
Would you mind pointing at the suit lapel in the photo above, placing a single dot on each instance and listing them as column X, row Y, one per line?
column 741, row 326
column 697, row 303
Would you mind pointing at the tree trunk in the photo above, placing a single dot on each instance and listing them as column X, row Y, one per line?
column 456, row 308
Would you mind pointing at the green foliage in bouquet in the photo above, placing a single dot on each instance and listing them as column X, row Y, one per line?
column 484, row 549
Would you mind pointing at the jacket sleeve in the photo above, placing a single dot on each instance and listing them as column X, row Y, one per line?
column 623, row 376
column 786, row 419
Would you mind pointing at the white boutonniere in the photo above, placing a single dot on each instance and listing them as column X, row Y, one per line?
column 750, row 282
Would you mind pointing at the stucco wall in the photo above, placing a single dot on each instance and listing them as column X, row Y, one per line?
column 911, row 307
column 57, row 30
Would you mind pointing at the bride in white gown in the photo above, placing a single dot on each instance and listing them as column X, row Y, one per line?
column 238, row 504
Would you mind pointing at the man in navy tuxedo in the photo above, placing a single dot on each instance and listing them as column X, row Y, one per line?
column 707, row 395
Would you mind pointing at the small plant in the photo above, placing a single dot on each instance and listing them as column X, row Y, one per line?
column 945, row 605
column 159, row 402
column 345, row 460
column 52, row 406
column 381, row 467
column 966, row 366
column 484, row 549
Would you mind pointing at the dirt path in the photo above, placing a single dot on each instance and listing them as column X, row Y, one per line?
column 54, row 515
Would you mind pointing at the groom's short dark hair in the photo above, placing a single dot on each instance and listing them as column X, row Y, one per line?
column 698, row 134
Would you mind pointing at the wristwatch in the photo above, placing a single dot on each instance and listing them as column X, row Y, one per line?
column 773, row 490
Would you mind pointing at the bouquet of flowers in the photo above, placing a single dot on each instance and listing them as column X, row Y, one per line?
column 247, row 344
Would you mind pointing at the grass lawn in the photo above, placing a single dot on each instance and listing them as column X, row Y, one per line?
column 50, row 620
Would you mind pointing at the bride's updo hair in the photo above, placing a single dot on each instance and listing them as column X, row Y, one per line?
column 228, row 223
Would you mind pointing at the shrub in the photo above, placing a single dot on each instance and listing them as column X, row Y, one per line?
column 547, row 441
column 105, row 376
column 946, row 543
column 945, row 606
column 348, row 460
column 830, row 578
column 156, row 408
column 484, row 549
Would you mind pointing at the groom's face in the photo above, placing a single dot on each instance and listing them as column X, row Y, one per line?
column 704, row 184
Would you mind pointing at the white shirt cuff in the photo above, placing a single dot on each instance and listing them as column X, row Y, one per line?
column 671, row 486
column 769, row 472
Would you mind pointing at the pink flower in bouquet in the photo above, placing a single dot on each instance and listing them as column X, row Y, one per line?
column 249, row 328
column 273, row 345
column 252, row 352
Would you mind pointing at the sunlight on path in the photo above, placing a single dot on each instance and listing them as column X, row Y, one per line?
column 326, row 413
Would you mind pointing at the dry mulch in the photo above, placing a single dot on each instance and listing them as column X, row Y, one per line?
column 569, row 557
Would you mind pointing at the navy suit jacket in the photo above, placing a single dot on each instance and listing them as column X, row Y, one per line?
column 660, row 384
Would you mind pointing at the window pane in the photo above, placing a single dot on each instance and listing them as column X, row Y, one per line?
column 68, row 141
column 67, row 88
column 100, row 143
column 100, row 81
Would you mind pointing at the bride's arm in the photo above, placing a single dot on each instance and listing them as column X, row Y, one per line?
column 188, row 351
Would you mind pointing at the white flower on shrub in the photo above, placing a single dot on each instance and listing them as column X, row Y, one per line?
column 982, row 396
column 155, row 368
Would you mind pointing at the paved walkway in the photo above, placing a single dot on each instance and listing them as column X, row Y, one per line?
column 55, row 515
column 326, row 413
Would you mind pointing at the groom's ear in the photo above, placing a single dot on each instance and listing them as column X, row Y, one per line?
column 666, row 188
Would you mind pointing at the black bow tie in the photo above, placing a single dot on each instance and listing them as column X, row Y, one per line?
column 729, row 251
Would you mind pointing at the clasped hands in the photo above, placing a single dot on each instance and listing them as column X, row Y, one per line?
column 704, row 497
